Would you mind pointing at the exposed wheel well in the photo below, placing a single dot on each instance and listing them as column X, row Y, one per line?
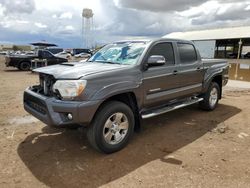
column 130, row 100
column 218, row 80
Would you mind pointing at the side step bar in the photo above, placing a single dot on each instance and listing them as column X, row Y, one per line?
column 171, row 107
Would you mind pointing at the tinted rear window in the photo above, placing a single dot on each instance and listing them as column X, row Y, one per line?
column 187, row 53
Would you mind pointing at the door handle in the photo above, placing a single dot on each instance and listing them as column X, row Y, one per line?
column 198, row 69
column 175, row 72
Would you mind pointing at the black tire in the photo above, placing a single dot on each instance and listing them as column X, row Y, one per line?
column 24, row 66
column 206, row 104
column 96, row 131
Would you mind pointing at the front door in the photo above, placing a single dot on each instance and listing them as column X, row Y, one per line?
column 160, row 81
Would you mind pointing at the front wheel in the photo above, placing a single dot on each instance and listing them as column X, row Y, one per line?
column 211, row 97
column 112, row 127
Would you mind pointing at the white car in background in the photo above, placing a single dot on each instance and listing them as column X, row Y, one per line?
column 63, row 54
column 3, row 53
column 83, row 60
column 83, row 55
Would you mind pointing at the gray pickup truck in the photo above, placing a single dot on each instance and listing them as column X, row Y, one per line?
column 122, row 84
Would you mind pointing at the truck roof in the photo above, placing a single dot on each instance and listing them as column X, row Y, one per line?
column 155, row 40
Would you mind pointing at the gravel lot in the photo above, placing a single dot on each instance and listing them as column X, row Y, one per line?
column 184, row 148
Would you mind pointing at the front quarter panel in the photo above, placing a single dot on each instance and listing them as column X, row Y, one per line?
column 104, row 86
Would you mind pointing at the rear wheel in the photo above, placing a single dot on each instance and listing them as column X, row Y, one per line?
column 112, row 127
column 211, row 97
column 24, row 66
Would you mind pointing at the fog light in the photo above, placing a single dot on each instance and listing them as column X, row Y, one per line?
column 70, row 117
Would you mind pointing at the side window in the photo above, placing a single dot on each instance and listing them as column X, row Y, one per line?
column 187, row 53
column 165, row 49
column 47, row 54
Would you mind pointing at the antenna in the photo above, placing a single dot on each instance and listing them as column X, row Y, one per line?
column 88, row 27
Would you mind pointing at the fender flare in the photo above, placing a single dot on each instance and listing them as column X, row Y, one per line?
column 209, row 79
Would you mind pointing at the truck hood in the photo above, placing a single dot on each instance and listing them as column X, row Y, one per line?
column 78, row 70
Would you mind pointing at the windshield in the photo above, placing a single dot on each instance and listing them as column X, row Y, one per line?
column 126, row 53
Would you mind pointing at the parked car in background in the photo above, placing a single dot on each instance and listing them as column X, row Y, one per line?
column 76, row 51
column 3, row 53
column 83, row 61
column 54, row 50
column 232, row 55
column 83, row 55
column 63, row 54
column 23, row 62
column 123, row 83
column 246, row 55
column 30, row 53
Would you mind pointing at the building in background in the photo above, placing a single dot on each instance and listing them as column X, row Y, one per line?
column 219, row 43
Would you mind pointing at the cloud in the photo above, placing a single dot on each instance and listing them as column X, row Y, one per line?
column 18, row 6
column 248, row 7
column 40, row 25
column 70, row 28
column 21, row 37
column 221, row 13
column 66, row 15
column 160, row 5
column 122, row 21
column 22, row 21
column 17, row 25
column 167, row 5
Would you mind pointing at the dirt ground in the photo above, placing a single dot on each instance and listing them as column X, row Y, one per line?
column 184, row 148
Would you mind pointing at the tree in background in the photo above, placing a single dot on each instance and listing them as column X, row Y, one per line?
column 15, row 48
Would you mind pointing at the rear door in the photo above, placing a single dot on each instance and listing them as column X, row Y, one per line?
column 160, row 80
column 190, row 69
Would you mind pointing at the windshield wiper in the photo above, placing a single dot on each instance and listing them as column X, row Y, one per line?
column 109, row 62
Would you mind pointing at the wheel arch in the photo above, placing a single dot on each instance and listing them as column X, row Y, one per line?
column 22, row 61
column 128, row 98
column 217, row 78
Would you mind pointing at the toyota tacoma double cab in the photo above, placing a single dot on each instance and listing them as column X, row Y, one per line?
column 123, row 83
column 23, row 62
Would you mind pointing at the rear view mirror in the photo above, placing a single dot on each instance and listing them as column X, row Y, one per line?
column 156, row 60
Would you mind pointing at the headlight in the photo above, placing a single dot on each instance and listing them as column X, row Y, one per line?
column 69, row 89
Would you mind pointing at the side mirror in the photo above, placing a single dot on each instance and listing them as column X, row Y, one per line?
column 156, row 60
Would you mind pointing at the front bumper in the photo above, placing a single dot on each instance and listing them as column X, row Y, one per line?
column 55, row 112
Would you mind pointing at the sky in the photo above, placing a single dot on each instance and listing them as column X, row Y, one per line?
column 60, row 21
